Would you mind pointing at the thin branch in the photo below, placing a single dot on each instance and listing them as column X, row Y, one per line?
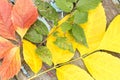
column 42, row 73
column 49, row 36
column 62, row 64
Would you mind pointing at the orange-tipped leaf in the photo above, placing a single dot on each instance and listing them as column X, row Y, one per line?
column 7, row 29
column 24, row 14
column 11, row 64
column 5, row 46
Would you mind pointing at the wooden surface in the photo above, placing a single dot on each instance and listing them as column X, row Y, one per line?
column 111, row 11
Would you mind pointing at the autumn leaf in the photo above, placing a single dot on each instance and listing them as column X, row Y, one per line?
column 59, row 55
column 94, row 30
column 31, row 57
column 99, row 63
column 63, row 43
column 7, row 29
column 102, row 65
column 20, row 16
column 90, row 30
column 11, row 64
column 111, row 38
column 45, row 54
column 24, row 14
column 45, row 7
column 72, row 72
column 11, row 59
column 96, row 62
column 79, row 35
column 5, row 46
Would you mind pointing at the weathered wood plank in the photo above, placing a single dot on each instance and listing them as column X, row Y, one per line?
column 110, row 9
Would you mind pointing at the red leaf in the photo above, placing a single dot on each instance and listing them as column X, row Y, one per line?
column 24, row 14
column 6, row 27
column 11, row 64
column 5, row 46
column 11, row 59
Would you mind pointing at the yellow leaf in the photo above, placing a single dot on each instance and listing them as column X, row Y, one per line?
column 59, row 55
column 21, row 31
column 103, row 66
column 72, row 72
column 94, row 29
column 111, row 40
column 30, row 56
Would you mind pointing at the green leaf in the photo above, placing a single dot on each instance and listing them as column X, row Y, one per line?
column 36, row 32
column 44, row 54
column 64, row 5
column 55, row 34
column 47, row 11
column 79, row 35
column 66, row 26
column 62, row 43
column 80, row 17
column 85, row 5
column 40, row 28
column 33, row 36
column 71, row 0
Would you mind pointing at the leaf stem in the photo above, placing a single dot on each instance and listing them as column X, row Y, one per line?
column 81, row 57
column 42, row 73
column 59, row 65
column 49, row 35
column 53, row 68
column 49, row 73
column 56, row 27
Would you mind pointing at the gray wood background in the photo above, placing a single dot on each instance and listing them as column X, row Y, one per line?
column 111, row 8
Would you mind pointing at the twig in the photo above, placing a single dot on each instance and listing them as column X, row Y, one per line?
column 49, row 73
column 59, row 65
column 42, row 73
column 49, row 35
